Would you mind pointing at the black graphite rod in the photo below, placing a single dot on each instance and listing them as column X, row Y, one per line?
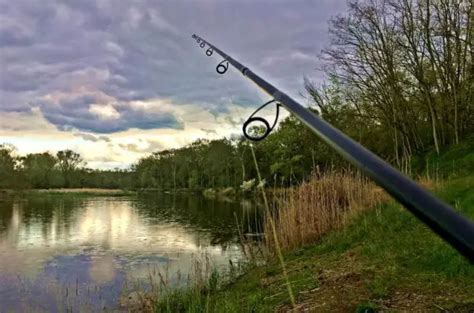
column 457, row 230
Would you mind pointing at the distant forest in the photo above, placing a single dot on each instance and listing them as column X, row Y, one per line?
column 400, row 81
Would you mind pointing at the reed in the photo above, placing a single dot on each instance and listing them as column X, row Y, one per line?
column 304, row 213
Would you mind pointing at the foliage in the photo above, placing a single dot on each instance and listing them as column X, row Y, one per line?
column 39, row 169
column 67, row 162
column 7, row 166
column 44, row 170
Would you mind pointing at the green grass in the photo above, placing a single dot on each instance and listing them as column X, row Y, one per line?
column 452, row 162
column 382, row 259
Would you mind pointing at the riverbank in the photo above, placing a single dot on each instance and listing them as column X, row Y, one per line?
column 72, row 191
column 221, row 193
column 382, row 259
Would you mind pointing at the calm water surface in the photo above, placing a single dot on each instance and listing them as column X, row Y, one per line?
column 64, row 251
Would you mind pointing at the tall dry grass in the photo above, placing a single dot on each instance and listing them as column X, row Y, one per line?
column 304, row 213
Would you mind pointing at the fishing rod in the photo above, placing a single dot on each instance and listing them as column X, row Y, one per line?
column 455, row 229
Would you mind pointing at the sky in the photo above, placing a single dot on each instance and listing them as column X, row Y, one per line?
column 118, row 80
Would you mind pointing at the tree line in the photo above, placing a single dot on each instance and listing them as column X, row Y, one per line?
column 65, row 169
column 282, row 159
column 400, row 81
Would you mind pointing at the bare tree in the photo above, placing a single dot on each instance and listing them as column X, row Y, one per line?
column 407, row 64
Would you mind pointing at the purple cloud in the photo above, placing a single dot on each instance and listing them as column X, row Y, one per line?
column 143, row 50
column 87, row 113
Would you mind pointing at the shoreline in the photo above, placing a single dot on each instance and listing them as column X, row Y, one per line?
column 382, row 259
column 72, row 191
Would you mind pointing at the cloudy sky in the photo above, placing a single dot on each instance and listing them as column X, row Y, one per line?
column 116, row 80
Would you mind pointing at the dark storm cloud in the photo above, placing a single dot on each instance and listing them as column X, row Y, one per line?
column 143, row 50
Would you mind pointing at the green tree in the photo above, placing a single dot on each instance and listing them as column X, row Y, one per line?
column 39, row 169
column 7, row 167
column 68, row 162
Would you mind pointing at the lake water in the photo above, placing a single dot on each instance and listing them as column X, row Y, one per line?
column 60, row 252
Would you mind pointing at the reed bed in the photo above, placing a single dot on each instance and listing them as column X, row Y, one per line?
column 304, row 213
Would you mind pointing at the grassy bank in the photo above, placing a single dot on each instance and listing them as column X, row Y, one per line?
column 381, row 259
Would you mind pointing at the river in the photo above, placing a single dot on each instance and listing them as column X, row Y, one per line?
column 76, row 252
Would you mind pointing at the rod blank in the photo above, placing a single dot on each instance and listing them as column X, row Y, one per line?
column 457, row 230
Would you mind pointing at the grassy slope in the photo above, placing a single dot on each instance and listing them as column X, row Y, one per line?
column 382, row 259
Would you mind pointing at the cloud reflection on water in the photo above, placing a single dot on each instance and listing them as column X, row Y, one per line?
column 62, row 241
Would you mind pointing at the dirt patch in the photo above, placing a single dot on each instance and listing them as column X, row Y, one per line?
column 348, row 287
column 423, row 301
column 338, row 292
